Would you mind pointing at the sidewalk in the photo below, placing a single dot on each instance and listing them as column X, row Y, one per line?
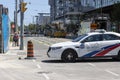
column 15, row 50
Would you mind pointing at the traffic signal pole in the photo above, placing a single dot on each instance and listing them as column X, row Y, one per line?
column 22, row 10
column 16, row 26
column 21, row 27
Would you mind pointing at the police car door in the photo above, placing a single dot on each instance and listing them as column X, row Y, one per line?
column 109, row 45
column 91, row 45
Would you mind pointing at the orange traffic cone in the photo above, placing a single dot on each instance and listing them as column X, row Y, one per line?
column 30, row 52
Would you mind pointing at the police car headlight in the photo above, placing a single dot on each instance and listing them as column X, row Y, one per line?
column 55, row 48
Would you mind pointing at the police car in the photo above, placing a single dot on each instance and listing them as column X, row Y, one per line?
column 94, row 44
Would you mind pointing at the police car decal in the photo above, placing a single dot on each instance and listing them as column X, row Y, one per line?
column 102, row 52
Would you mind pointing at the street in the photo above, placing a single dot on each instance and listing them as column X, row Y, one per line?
column 29, row 30
column 44, row 68
column 97, row 69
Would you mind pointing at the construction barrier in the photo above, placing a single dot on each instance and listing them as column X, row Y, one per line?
column 30, row 52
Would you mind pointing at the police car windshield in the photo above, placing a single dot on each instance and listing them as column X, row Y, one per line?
column 79, row 38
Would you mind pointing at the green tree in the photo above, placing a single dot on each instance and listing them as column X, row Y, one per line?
column 31, row 27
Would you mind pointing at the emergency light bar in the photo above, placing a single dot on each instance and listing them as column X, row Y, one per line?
column 100, row 30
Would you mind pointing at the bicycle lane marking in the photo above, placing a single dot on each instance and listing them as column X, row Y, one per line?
column 115, row 74
column 44, row 74
column 39, row 41
column 106, row 70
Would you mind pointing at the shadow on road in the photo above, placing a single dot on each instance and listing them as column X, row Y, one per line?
column 86, row 60
column 96, row 60
column 53, row 61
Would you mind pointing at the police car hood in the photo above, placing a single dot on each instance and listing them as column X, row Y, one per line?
column 68, row 43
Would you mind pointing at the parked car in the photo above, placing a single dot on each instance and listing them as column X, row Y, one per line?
column 95, row 44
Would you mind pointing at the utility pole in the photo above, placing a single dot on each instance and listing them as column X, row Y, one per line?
column 21, row 27
column 22, row 10
column 16, row 8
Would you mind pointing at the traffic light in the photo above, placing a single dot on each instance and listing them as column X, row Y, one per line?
column 23, row 7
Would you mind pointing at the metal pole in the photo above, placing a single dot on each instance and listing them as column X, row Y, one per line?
column 16, row 26
column 21, row 28
column 101, row 9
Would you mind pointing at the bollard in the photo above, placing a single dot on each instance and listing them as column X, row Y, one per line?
column 30, row 52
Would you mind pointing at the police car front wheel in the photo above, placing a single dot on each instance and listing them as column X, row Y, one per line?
column 69, row 56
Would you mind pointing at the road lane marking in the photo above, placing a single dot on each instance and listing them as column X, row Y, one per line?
column 45, row 75
column 38, row 66
column 91, row 64
column 115, row 74
column 34, row 60
column 45, row 43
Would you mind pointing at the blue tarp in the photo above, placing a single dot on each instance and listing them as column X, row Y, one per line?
column 5, row 32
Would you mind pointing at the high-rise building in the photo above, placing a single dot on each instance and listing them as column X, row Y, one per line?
column 52, row 4
column 98, row 3
column 43, row 19
column 65, row 12
column 102, row 13
column 69, row 12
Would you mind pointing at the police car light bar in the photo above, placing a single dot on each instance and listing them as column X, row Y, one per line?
column 100, row 30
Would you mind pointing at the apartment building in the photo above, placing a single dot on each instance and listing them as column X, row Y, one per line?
column 101, row 12
column 69, row 12
column 65, row 12
column 98, row 3
column 53, row 9
column 43, row 19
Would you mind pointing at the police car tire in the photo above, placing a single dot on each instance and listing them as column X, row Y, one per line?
column 69, row 56
column 118, row 56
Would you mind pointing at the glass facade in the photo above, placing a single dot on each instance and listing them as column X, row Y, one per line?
column 60, row 8
column 69, row 12
column 98, row 3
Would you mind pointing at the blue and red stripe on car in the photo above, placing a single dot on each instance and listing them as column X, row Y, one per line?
column 103, row 51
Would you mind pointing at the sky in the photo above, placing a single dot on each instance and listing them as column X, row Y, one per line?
column 33, row 8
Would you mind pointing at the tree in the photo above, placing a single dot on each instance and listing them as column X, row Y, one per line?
column 31, row 27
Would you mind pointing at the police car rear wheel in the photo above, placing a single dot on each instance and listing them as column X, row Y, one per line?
column 118, row 56
column 69, row 56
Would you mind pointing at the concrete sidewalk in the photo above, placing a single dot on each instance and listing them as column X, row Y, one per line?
column 15, row 50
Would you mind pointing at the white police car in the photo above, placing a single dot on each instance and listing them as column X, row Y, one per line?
column 94, row 44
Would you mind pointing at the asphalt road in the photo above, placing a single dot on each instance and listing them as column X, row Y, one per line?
column 89, row 69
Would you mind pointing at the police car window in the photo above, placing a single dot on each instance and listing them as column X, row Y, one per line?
column 79, row 38
column 93, row 38
column 110, row 37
